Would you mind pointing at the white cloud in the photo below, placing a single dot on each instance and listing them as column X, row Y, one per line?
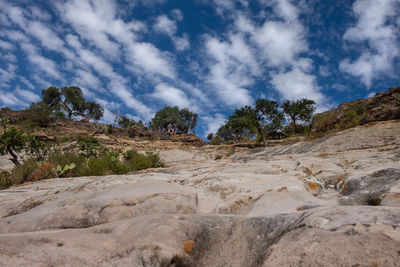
column 9, row 99
column 172, row 96
column 6, row 45
column 232, row 69
column 280, row 42
column 213, row 123
column 46, row 36
column 181, row 43
column 45, row 64
column 165, row 25
column 17, row 16
column 96, row 22
column 377, row 34
column 296, row 84
column 88, row 79
column 7, row 75
column 27, row 96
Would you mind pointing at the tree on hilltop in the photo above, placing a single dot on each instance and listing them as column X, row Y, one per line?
column 299, row 110
column 182, row 119
column 71, row 101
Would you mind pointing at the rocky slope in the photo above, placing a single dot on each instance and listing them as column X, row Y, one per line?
column 381, row 107
column 332, row 202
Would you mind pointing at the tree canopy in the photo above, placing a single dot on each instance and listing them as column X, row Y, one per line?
column 182, row 119
column 265, row 118
column 71, row 101
column 299, row 110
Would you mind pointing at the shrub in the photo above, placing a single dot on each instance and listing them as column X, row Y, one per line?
column 38, row 148
column 5, row 180
column 12, row 142
column 89, row 146
column 110, row 129
column 216, row 141
column 39, row 115
column 140, row 161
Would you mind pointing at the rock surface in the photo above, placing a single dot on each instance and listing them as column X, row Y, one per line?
column 332, row 202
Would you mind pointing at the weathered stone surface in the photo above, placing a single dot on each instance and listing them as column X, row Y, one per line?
column 278, row 206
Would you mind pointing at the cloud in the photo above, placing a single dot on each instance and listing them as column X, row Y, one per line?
column 9, row 99
column 45, row 64
column 231, row 70
column 280, row 42
column 47, row 37
column 27, row 96
column 97, row 22
column 165, row 25
column 377, row 34
column 213, row 123
column 296, row 84
column 6, row 45
column 7, row 75
column 172, row 96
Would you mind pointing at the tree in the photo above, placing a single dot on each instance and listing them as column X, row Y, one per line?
column 93, row 111
column 12, row 142
column 264, row 119
column 210, row 136
column 71, row 101
column 182, row 119
column 124, row 122
column 299, row 110
column 52, row 98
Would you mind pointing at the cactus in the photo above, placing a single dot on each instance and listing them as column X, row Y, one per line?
column 60, row 170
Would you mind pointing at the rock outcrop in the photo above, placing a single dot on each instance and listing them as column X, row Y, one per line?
column 381, row 107
column 332, row 202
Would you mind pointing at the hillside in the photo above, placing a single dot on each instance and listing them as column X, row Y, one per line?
column 331, row 202
column 381, row 107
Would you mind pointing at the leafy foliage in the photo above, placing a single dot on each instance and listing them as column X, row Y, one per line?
column 12, row 142
column 299, row 110
column 182, row 119
column 39, row 115
column 71, row 101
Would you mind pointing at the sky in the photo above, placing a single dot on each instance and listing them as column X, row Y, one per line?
column 135, row 57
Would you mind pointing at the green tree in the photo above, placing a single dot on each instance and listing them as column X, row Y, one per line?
column 93, row 111
column 12, row 142
column 71, row 101
column 52, row 98
column 124, row 122
column 264, row 118
column 299, row 110
column 210, row 136
column 182, row 119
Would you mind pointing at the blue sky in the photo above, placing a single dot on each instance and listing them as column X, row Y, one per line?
column 211, row 56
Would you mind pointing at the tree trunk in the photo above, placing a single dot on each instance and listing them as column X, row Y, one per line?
column 294, row 125
column 261, row 132
column 14, row 158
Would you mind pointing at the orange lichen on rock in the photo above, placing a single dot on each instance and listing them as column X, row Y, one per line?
column 344, row 189
column 282, row 189
column 397, row 195
column 189, row 247
column 313, row 186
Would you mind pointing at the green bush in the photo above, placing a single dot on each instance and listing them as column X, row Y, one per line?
column 70, row 164
column 89, row 147
column 140, row 161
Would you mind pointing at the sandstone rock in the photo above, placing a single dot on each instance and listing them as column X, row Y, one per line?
column 274, row 206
